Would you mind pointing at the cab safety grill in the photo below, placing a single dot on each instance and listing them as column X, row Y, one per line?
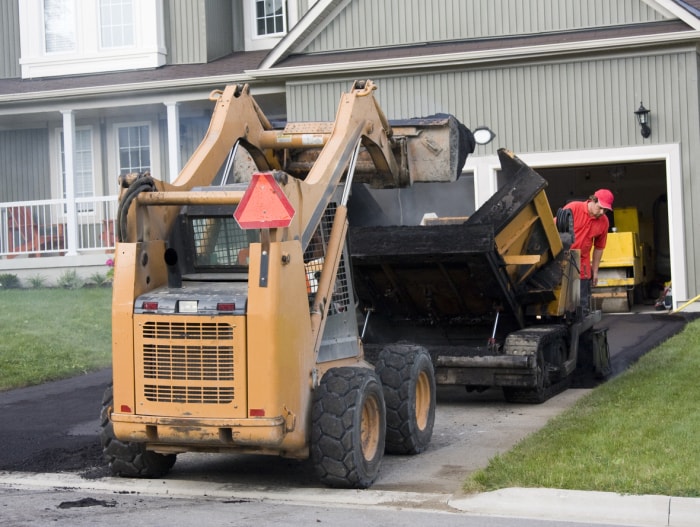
column 188, row 362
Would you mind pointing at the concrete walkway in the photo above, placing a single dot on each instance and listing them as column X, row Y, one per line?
column 582, row 506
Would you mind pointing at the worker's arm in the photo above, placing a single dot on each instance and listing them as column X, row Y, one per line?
column 595, row 262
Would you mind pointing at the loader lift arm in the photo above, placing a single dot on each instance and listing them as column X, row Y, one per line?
column 359, row 121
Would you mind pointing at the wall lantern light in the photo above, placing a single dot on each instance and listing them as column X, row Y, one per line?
column 483, row 135
column 643, row 119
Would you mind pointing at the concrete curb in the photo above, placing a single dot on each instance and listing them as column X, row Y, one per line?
column 175, row 488
column 584, row 506
column 540, row 504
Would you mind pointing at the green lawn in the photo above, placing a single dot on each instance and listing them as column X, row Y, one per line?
column 48, row 334
column 636, row 434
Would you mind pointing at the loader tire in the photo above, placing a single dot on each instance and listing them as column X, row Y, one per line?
column 348, row 428
column 127, row 458
column 408, row 381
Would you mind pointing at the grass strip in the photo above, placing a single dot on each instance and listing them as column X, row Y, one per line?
column 636, row 434
column 49, row 334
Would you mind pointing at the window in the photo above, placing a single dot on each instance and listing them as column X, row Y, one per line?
column 267, row 22
column 116, row 23
column 84, row 37
column 270, row 17
column 82, row 163
column 59, row 26
column 134, row 148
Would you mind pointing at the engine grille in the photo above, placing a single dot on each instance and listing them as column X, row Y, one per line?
column 187, row 394
column 188, row 362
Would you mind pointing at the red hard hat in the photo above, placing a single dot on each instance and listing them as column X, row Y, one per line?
column 605, row 198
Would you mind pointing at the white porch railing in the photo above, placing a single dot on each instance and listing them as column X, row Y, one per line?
column 40, row 228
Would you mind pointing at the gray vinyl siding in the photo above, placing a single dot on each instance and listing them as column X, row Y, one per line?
column 379, row 23
column 186, row 23
column 199, row 31
column 538, row 107
column 24, row 154
column 576, row 106
column 237, row 21
column 219, row 28
column 9, row 40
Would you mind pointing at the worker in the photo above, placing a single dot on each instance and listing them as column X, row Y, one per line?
column 590, row 232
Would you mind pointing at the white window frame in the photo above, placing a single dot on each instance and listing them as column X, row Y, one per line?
column 254, row 42
column 103, row 23
column 151, row 151
column 271, row 16
column 147, row 52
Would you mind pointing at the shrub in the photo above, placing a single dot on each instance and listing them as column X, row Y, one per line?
column 99, row 279
column 69, row 280
column 37, row 281
column 9, row 281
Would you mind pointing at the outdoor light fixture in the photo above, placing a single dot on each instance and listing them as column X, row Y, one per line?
column 483, row 135
column 643, row 119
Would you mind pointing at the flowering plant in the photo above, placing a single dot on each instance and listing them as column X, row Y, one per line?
column 110, row 263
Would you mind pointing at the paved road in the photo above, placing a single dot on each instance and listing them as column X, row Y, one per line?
column 53, row 428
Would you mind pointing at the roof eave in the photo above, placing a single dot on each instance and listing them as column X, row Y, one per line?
column 478, row 57
column 204, row 83
column 365, row 67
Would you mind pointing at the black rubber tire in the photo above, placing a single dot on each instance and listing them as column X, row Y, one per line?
column 348, row 428
column 408, row 381
column 126, row 458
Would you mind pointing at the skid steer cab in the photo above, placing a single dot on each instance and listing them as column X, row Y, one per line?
column 235, row 328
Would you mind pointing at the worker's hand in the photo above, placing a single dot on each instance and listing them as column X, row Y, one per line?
column 594, row 279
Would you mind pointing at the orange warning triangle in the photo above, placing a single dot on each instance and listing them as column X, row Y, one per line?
column 264, row 205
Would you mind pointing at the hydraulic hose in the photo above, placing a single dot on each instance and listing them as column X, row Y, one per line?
column 143, row 183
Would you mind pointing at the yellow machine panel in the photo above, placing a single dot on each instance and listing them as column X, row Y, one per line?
column 622, row 267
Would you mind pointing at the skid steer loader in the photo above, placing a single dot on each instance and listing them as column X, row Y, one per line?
column 234, row 315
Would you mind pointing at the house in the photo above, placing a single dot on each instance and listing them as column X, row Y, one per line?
column 90, row 89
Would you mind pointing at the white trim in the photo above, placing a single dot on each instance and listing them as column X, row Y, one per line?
column 307, row 29
column 68, row 152
column 486, row 167
column 667, row 7
column 173, row 121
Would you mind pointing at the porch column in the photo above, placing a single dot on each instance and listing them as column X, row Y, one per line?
column 69, row 154
column 173, row 140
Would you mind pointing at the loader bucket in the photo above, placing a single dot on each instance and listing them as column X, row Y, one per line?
column 431, row 149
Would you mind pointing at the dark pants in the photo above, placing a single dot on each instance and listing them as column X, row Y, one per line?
column 586, row 295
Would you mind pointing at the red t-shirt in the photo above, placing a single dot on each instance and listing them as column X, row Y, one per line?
column 589, row 232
